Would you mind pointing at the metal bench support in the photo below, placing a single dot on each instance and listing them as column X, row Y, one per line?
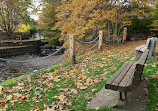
column 125, row 96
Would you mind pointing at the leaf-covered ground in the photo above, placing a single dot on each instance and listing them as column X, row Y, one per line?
column 71, row 87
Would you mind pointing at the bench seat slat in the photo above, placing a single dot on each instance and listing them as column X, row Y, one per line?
column 132, row 82
column 124, row 81
column 110, row 81
column 114, row 85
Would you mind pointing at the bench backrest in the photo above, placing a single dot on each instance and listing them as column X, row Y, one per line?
column 139, row 67
column 154, row 46
column 151, row 43
column 148, row 43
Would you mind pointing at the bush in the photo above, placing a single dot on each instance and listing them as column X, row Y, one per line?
column 54, row 42
column 139, row 28
column 33, row 31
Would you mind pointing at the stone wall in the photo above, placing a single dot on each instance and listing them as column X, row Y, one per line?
column 17, row 51
column 31, row 47
column 20, row 43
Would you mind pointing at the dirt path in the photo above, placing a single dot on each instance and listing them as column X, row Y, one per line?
column 136, row 99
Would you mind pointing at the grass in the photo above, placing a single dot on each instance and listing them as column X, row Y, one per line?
column 151, row 73
column 13, row 79
column 71, row 87
column 153, row 94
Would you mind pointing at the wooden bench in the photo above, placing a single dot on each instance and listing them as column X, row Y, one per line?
column 151, row 45
column 128, row 76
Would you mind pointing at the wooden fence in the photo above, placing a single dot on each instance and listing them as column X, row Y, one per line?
column 100, row 44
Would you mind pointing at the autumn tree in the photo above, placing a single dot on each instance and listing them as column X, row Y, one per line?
column 86, row 17
column 12, row 13
column 47, row 18
column 155, row 17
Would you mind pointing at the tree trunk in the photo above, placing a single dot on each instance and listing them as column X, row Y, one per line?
column 116, row 25
column 108, row 29
column 9, row 34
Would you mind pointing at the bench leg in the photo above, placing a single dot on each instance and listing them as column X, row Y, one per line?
column 125, row 96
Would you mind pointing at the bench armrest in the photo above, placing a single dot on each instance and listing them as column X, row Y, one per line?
column 139, row 47
column 142, row 60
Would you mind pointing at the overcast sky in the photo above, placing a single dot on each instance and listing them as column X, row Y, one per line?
column 35, row 16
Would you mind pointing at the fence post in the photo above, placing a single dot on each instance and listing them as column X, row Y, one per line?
column 72, row 48
column 100, row 47
column 124, row 34
column 20, row 38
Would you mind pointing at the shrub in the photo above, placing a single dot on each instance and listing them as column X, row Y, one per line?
column 54, row 42
column 139, row 28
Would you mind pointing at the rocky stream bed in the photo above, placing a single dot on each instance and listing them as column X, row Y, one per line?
column 13, row 69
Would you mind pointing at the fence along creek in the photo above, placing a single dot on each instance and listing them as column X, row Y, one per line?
column 25, row 64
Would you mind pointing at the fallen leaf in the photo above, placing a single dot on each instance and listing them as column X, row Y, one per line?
column 56, row 79
column 2, row 102
column 45, row 83
column 62, row 97
column 101, row 93
column 97, row 108
column 84, row 87
column 50, row 109
column 7, row 91
column 89, row 80
column 57, row 97
column 93, row 90
column 108, row 94
column 36, row 108
column 64, row 89
column 51, row 74
column 1, row 90
column 9, row 97
column 69, row 103
column 22, row 98
column 74, row 91
column 84, row 77
column 17, row 95
column 29, row 78
column 20, row 84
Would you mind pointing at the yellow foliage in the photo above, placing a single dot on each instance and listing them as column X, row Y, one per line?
column 89, row 80
column 85, row 18
column 24, row 28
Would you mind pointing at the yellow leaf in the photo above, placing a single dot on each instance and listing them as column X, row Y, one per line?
column 89, row 80
column 50, row 74
column 55, row 72
column 1, row 90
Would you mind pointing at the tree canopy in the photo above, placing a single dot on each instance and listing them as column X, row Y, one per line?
column 155, row 17
column 47, row 17
column 12, row 13
column 86, row 17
